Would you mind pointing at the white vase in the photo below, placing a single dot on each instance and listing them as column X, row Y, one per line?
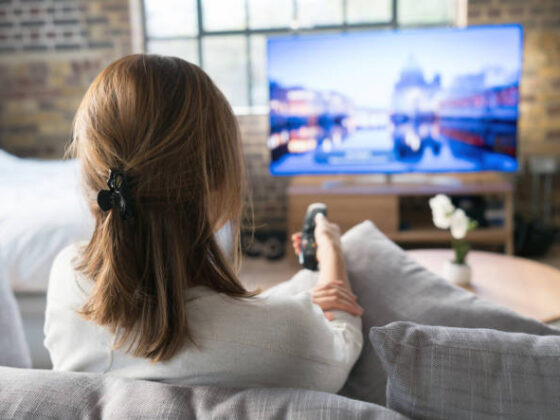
column 459, row 274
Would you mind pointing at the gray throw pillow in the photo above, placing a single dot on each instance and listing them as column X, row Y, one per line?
column 391, row 286
column 37, row 394
column 463, row 373
column 13, row 347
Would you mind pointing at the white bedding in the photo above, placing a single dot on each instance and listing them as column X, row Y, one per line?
column 41, row 212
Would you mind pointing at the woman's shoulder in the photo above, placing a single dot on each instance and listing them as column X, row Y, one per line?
column 295, row 310
column 65, row 260
column 64, row 279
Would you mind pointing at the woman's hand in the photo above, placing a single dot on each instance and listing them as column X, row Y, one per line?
column 327, row 234
column 335, row 295
column 333, row 290
column 327, row 237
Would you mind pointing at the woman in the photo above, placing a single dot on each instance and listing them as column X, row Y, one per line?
column 151, row 295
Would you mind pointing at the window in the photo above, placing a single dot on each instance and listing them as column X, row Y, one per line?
column 228, row 37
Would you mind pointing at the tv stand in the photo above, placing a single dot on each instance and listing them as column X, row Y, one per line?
column 351, row 200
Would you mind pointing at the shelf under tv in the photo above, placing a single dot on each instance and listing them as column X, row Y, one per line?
column 350, row 200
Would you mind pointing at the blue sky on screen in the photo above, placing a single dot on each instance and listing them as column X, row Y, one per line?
column 366, row 65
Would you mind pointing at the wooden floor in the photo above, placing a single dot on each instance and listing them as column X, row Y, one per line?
column 259, row 272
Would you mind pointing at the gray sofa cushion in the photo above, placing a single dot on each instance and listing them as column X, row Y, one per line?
column 29, row 393
column 391, row 286
column 461, row 373
column 13, row 347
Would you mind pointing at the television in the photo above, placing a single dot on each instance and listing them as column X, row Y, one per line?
column 424, row 100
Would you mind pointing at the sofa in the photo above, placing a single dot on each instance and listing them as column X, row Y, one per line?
column 431, row 350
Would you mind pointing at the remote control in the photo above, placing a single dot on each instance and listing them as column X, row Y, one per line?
column 308, row 251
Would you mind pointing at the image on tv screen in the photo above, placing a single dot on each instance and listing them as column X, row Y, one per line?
column 430, row 100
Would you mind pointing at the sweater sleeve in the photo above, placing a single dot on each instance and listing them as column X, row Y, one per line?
column 65, row 330
column 333, row 344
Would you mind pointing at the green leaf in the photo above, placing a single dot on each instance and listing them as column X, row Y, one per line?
column 461, row 248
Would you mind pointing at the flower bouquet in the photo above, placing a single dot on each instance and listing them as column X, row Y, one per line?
column 446, row 216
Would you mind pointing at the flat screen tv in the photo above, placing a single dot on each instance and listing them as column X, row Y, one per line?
column 427, row 100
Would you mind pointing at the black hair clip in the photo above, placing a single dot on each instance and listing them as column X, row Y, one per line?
column 118, row 194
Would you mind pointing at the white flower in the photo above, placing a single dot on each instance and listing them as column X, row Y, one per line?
column 459, row 224
column 442, row 209
column 441, row 221
column 441, row 203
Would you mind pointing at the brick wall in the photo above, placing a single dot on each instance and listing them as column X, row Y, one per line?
column 50, row 50
column 539, row 126
column 268, row 193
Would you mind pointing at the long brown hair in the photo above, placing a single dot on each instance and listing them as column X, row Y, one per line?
column 163, row 122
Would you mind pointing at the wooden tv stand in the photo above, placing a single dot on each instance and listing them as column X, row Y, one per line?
column 350, row 200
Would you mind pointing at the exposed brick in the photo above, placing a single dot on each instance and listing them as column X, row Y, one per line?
column 551, row 22
column 62, row 47
column 555, row 83
column 494, row 13
column 537, row 10
column 553, row 135
column 35, row 47
column 516, row 11
column 117, row 7
column 474, row 14
column 97, row 20
column 528, row 98
column 66, row 21
column 553, row 109
column 98, row 45
column 18, row 129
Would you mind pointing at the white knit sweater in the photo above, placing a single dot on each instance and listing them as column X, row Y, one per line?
column 276, row 339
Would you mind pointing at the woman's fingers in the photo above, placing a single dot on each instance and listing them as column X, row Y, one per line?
column 331, row 303
column 337, row 292
column 333, row 300
column 336, row 299
column 334, row 295
column 329, row 315
column 296, row 242
column 334, row 288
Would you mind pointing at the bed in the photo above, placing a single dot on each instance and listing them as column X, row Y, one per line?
column 41, row 212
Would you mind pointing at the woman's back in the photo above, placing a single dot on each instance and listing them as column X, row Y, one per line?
column 263, row 341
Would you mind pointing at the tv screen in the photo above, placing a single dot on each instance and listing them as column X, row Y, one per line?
column 430, row 100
